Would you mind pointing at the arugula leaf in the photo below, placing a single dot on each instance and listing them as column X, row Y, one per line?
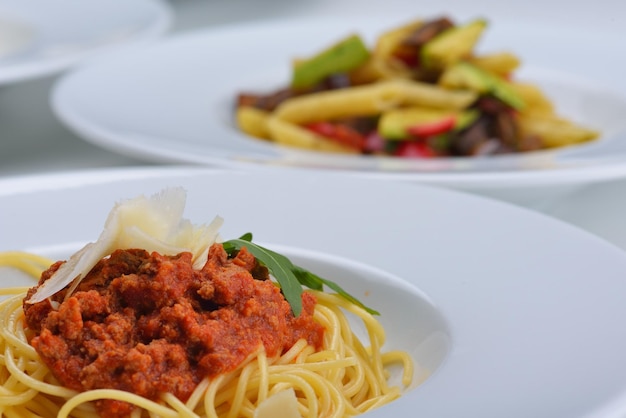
column 290, row 277
column 317, row 283
column 278, row 265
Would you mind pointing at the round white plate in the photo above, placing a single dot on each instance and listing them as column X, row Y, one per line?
column 525, row 312
column 42, row 37
column 174, row 102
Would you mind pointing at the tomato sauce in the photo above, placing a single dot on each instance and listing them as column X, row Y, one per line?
column 149, row 324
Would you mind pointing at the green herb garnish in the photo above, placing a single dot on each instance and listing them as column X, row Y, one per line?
column 315, row 282
column 290, row 277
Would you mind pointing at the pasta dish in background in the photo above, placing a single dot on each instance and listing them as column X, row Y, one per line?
column 422, row 91
column 160, row 316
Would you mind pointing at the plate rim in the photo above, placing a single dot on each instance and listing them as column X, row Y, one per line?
column 610, row 167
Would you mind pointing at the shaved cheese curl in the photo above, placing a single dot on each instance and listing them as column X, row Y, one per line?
column 154, row 224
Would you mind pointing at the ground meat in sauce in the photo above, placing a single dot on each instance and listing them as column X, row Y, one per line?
column 149, row 324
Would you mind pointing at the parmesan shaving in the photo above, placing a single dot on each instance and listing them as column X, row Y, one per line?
column 153, row 224
column 283, row 404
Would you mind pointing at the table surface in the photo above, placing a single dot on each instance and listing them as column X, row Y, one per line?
column 32, row 141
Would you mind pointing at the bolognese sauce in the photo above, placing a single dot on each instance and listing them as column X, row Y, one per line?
column 149, row 324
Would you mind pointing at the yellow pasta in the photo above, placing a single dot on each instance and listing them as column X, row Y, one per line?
column 290, row 134
column 415, row 93
column 377, row 69
column 555, row 131
column 327, row 105
column 382, row 64
column 371, row 99
column 253, row 121
column 29, row 263
column 388, row 41
column 536, row 101
column 501, row 63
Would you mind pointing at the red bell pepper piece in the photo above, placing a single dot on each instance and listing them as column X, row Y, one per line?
column 342, row 134
column 425, row 130
column 326, row 129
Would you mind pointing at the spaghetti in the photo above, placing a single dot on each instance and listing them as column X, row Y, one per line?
column 342, row 378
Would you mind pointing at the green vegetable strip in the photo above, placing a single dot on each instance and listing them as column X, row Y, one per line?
column 342, row 57
column 290, row 277
column 305, row 277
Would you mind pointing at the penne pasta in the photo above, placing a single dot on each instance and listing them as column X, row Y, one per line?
column 328, row 105
column 535, row 99
column 377, row 69
column 287, row 133
column 253, row 121
column 501, row 63
column 370, row 100
column 416, row 93
column 388, row 41
column 555, row 131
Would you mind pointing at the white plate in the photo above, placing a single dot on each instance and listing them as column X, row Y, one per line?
column 42, row 37
column 173, row 103
column 525, row 312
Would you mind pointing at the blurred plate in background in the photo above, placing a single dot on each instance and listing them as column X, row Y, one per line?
column 42, row 37
column 173, row 102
